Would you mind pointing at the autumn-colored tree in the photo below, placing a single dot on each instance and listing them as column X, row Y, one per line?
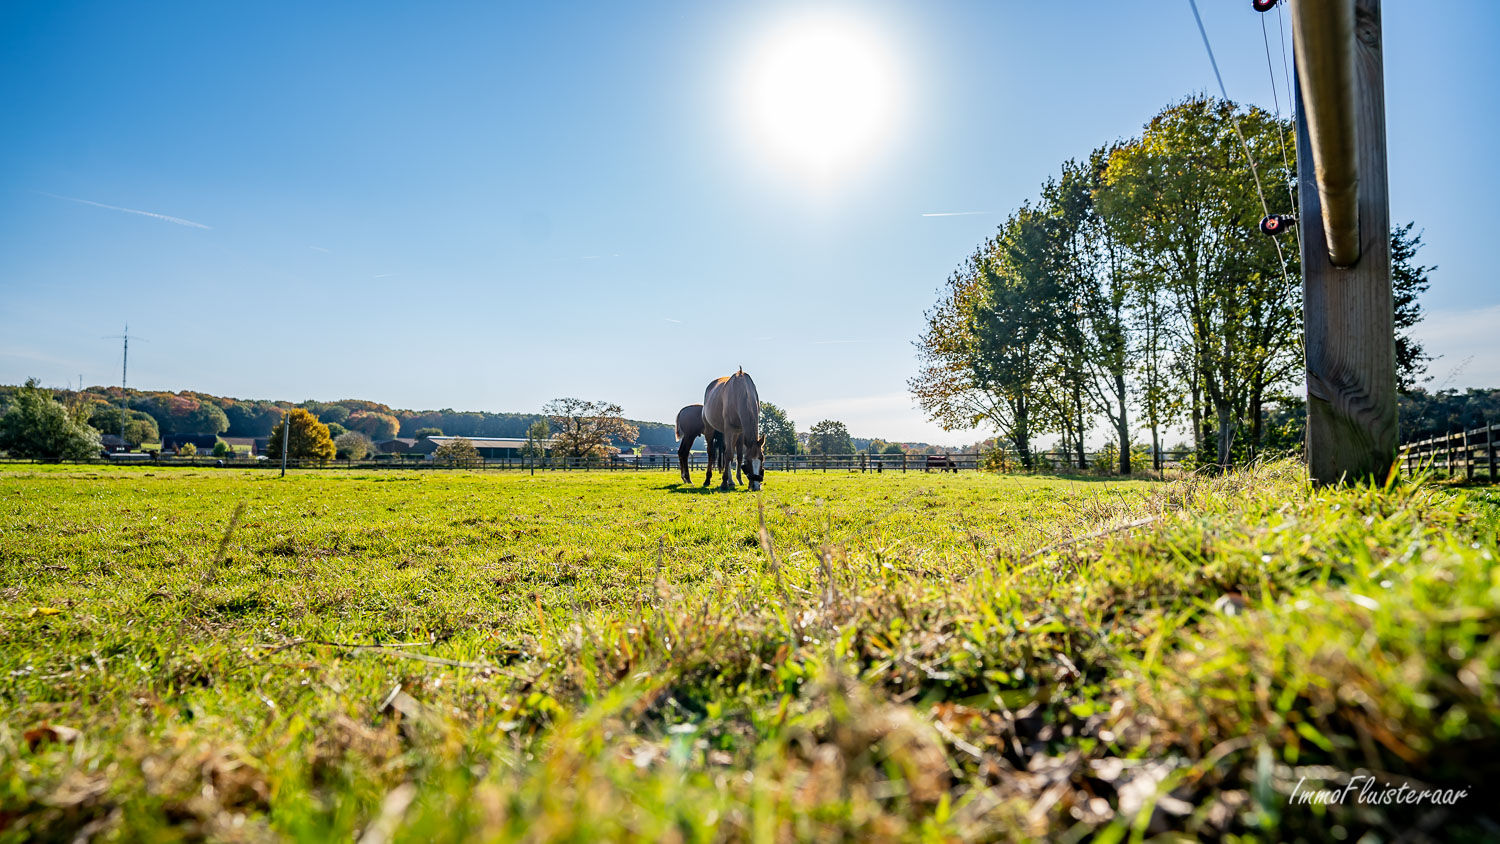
column 309, row 438
column 183, row 413
column 373, row 424
column 588, row 428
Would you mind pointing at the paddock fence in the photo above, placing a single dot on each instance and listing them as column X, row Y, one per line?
column 1044, row 461
column 1465, row 452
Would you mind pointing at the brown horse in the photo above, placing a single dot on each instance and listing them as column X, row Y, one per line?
column 731, row 405
column 689, row 429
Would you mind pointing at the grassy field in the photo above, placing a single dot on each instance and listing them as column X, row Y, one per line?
column 226, row 655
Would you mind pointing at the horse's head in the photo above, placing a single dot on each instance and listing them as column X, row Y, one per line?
column 754, row 463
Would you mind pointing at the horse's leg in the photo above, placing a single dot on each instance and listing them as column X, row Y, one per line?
column 708, row 440
column 731, row 443
column 683, row 451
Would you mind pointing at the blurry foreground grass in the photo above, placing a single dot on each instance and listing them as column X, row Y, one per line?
column 451, row 656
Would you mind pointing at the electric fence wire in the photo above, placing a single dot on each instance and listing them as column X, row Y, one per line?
column 1286, row 160
column 1235, row 121
column 1291, row 104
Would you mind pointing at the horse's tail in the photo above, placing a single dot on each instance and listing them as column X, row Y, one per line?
column 678, row 427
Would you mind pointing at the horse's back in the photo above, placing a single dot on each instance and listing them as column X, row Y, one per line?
column 728, row 401
column 690, row 421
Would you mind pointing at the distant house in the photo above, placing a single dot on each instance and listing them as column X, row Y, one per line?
column 488, row 447
column 113, row 443
column 203, row 442
column 400, row 445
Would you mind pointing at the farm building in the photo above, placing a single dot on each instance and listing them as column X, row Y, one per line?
column 112, row 443
column 203, row 442
column 488, row 447
column 400, row 445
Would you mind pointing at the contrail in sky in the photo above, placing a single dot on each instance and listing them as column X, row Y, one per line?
column 178, row 220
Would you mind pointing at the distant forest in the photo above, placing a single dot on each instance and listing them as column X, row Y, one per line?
column 189, row 412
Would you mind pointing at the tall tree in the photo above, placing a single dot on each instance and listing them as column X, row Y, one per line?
column 1409, row 280
column 36, row 425
column 588, row 428
column 307, row 440
column 1105, row 292
column 830, row 437
column 1180, row 199
column 780, row 432
column 983, row 354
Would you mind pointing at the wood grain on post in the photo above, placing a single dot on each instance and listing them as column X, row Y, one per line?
column 1348, row 311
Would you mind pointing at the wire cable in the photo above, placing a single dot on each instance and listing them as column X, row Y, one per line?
column 1233, row 118
column 1286, row 160
column 1235, row 121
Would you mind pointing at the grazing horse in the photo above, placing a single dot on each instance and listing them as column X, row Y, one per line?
column 732, row 406
column 689, row 428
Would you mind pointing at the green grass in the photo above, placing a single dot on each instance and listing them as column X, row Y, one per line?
column 593, row 656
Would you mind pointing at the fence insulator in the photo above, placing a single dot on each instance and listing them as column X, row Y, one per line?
column 1274, row 224
column 1264, row 5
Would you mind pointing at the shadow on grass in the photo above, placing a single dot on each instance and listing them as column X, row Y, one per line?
column 696, row 488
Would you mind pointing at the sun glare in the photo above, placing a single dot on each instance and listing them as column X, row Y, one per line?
column 821, row 95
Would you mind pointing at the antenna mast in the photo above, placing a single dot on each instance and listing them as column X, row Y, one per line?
column 124, row 373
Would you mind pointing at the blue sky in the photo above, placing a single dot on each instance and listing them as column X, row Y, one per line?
column 485, row 206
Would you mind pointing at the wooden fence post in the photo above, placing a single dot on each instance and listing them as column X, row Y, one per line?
column 1489, row 448
column 1468, row 458
column 1349, row 313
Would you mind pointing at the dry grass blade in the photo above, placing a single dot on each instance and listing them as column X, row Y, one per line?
column 1092, row 535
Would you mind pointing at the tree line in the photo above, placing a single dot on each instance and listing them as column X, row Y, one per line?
column 148, row 415
column 1137, row 292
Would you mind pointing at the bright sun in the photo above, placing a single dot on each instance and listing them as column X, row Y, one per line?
column 821, row 94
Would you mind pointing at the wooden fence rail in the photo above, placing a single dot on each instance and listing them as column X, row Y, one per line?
column 1466, row 451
